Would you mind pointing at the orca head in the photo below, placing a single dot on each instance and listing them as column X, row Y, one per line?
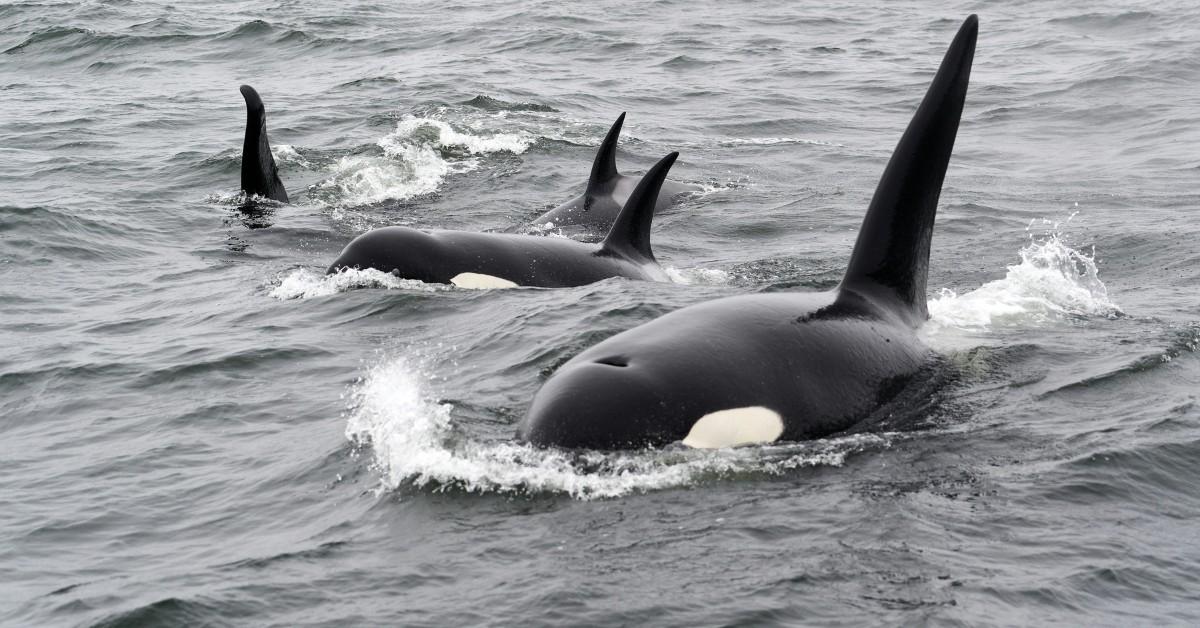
column 689, row 377
column 401, row 251
column 621, row 401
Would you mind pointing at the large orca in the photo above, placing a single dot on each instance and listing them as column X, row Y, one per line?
column 260, row 177
column 596, row 209
column 501, row 260
column 791, row 366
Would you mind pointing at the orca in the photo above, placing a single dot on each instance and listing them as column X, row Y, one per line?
column 777, row 366
column 596, row 209
column 260, row 177
column 502, row 260
column 593, row 212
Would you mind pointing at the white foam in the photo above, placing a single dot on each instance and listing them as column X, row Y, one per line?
column 410, row 171
column 444, row 135
column 417, row 157
column 694, row 276
column 286, row 153
column 1052, row 281
column 304, row 284
column 414, row 444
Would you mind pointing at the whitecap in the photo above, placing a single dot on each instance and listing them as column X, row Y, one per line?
column 697, row 276
column 416, row 159
column 287, row 154
column 440, row 134
column 1052, row 281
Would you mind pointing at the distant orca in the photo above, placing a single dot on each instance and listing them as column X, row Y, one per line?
column 607, row 190
column 497, row 260
column 759, row 368
column 260, row 177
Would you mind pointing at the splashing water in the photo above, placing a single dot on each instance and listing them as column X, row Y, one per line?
column 1052, row 281
column 697, row 276
column 414, row 444
column 287, row 154
column 304, row 284
column 440, row 134
column 417, row 157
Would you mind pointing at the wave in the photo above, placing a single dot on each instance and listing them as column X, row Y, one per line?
column 1053, row 281
column 287, row 154
column 1179, row 341
column 414, row 444
column 697, row 276
column 775, row 141
column 1106, row 21
column 414, row 160
column 305, row 284
column 487, row 103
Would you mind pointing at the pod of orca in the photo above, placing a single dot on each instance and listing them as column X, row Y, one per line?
column 741, row 370
column 607, row 192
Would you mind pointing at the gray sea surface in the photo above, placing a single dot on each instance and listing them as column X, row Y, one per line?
column 198, row 428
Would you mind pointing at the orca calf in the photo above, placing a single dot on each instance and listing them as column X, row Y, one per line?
column 607, row 190
column 260, row 177
column 499, row 260
column 790, row 366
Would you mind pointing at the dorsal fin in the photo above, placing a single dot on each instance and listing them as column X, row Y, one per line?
column 259, row 174
column 630, row 234
column 604, row 169
column 891, row 256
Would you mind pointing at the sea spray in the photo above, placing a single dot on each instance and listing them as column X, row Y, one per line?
column 303, row 283
column 1053, row 280
column 416, row 159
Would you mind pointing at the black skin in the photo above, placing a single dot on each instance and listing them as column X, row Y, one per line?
column 607, row 191
column 823, row 361
column 260, row 177
column 439, row 256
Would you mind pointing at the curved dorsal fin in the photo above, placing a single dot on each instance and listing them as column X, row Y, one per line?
column 604, row 168
column 630, row 234
column 891, row 256
column 259, row 174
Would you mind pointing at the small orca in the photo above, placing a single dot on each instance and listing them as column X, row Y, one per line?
column 607, row 190
column 791, row 366
column 500, row 260
column 260, row 177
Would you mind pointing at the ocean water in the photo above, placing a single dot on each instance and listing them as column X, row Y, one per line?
column 198, row 428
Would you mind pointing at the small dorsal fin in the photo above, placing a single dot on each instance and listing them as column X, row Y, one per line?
column 259, row 174
column 630, row 234
column 604, row 169
column 891, row 256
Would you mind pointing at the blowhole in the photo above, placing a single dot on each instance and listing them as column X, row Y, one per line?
column 614, row 361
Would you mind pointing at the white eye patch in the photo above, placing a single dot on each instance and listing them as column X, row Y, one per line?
column 478, row 281
column 736, row 426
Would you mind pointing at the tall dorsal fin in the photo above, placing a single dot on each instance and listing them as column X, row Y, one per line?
column 891, row 257
column 259, row 174
column 604, row 169
column 630, row 234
